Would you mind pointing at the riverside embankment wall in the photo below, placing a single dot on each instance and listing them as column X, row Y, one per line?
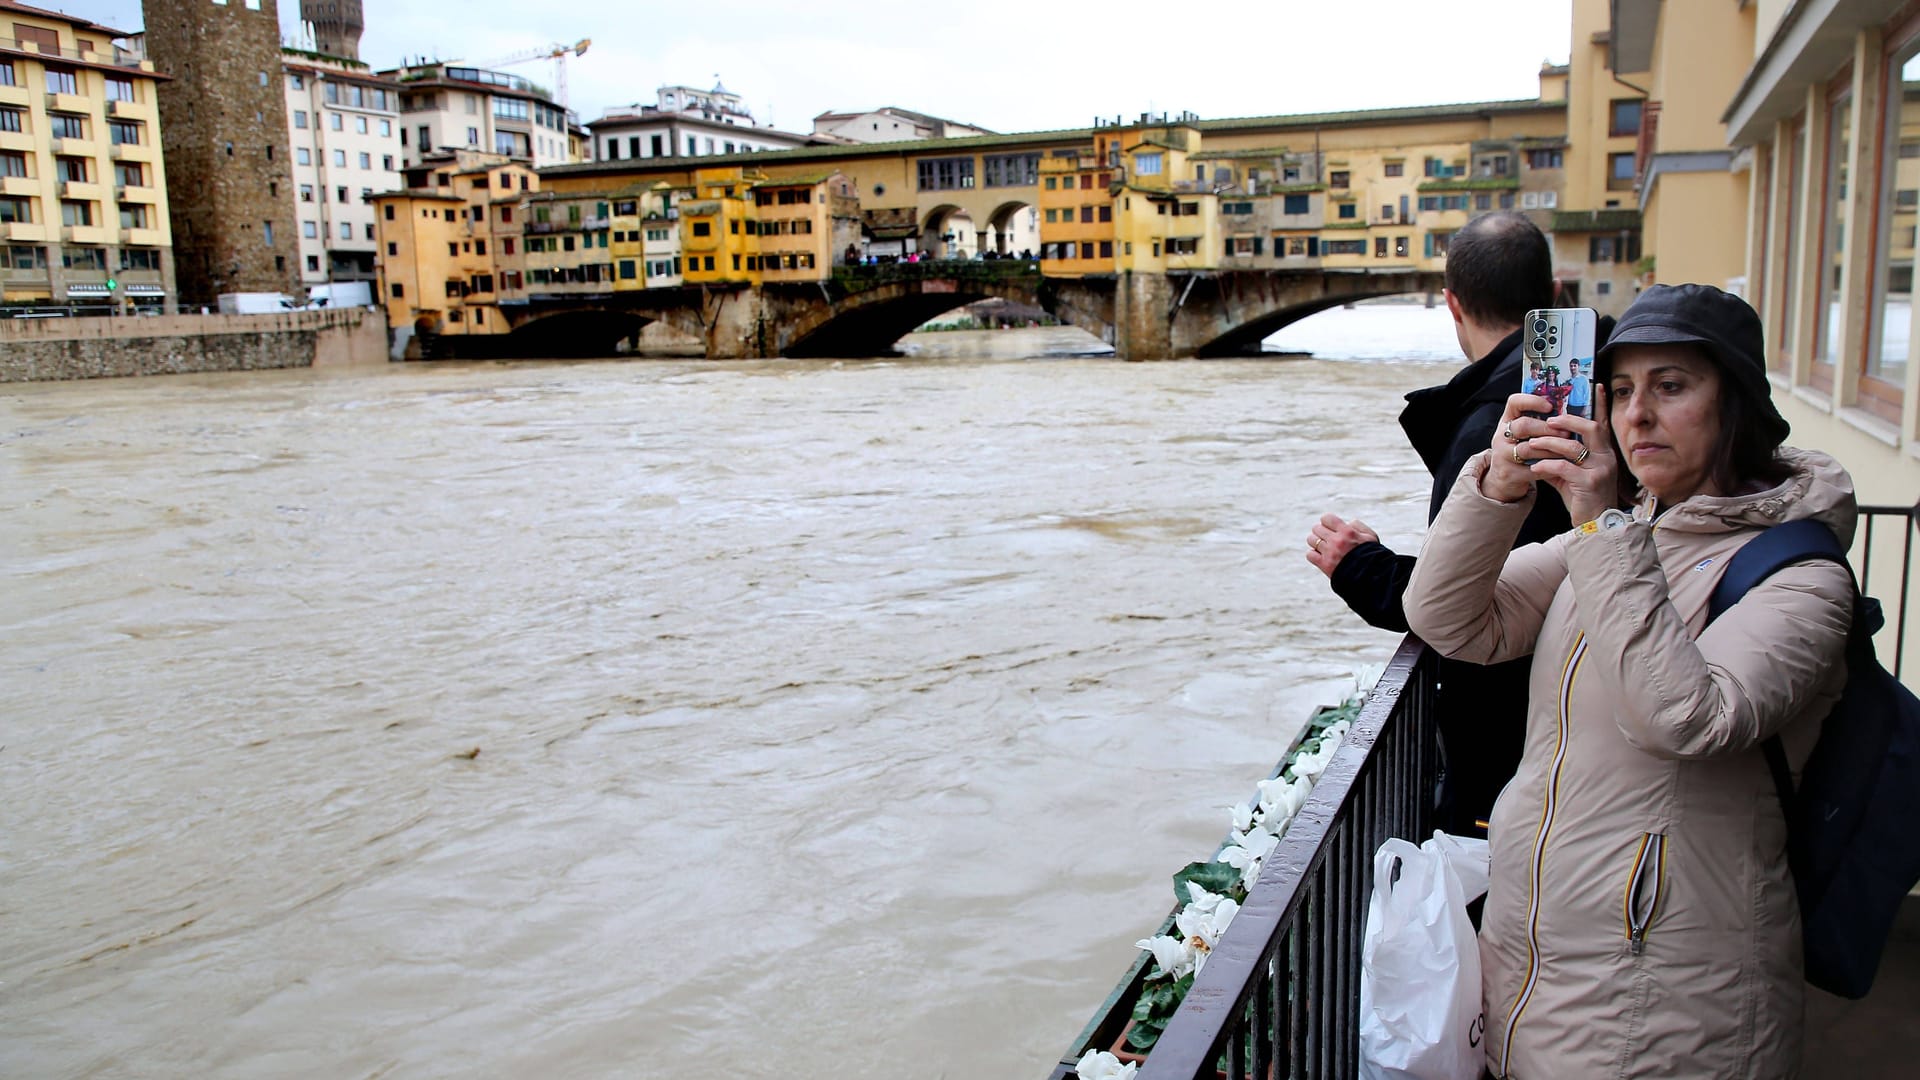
column 49, row 349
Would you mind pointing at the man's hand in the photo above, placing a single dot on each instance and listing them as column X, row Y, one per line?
column 1332, row 538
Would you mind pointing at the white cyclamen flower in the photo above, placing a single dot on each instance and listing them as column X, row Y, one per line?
column 1280, row 799
column 1174, row 955
column 1365, row 678
column 1199, row 899
column 1311, row 763
column 1202, row 929
column 1246, row 853
column 1100, row 1065
column 1242, row 817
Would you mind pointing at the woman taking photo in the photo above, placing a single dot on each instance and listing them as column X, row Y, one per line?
column 1642, row 919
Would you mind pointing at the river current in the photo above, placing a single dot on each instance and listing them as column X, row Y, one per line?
column 654, row 718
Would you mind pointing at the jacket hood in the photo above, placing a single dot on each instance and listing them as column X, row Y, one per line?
column 1432, row 416
column 1818, row 488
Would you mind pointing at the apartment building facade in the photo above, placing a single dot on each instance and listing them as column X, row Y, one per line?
column 804, row 226
column 890, row 124
column 461, row 107
column 685, row 122
column 83, row 195
column 344, row 128
column 1162, row 197
column 1597, row 229
column 451, row 254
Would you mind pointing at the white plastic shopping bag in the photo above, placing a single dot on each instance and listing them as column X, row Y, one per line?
column 1420, row 963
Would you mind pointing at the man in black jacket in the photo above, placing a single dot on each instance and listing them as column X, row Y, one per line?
column 1499, row 267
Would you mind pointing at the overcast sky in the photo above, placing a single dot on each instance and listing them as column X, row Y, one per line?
column 1008, row 65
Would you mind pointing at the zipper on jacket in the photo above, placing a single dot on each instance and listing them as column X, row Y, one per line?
column 1548, row 806
column 1643, row 889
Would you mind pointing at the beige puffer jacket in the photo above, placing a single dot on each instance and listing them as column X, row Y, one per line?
column 1641, row 919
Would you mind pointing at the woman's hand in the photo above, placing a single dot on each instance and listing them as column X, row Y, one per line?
column 1509, row 476
column 1525, row 449
column 1585, row 473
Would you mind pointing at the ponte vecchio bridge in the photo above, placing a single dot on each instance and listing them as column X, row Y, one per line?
column 1297, row 214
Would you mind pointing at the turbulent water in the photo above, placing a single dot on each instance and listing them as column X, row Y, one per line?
column 659, row 718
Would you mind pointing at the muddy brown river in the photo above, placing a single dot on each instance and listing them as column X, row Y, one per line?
column 656, row 718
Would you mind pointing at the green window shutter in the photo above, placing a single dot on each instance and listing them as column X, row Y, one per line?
column 1428, row 238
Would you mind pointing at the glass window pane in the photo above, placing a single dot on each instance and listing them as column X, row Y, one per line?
column 1900, row 191
column 1789, row 275
column 1833, row 242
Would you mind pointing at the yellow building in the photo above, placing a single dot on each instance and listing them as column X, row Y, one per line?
column 1167, row 218
column 83, row 201
column 1693, row 195
column 803, row 226
column 1076, row 211
column 451, row 244
column 714, row 227
column 1597, row 229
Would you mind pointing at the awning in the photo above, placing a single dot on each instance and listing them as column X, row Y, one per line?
column 89, row 290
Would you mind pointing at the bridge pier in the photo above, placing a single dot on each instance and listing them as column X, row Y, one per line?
column 1143, row 310
column 735, row 325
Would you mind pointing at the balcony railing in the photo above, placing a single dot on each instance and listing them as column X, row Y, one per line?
column 1875, row 524
column 1281, row 997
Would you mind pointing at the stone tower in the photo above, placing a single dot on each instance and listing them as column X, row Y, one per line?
column 224, row 112
column 336, row 26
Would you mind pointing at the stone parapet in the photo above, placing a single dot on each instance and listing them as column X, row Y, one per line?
column 33, row 350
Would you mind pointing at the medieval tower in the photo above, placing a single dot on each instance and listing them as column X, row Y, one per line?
column 224, row 109
column 336, row 26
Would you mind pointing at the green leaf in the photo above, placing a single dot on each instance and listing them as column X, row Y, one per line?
column 1142, row 1037
column 1215, row 877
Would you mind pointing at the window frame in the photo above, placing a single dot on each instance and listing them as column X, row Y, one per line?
column 1874, row 392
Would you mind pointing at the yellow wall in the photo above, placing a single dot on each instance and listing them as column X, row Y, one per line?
column 1694, row 83
column 1062, row 207
column 1591, row 91
column 1695, row 222
column 800, row 232
column 1696, row 226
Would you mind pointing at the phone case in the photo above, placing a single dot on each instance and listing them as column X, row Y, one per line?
column 1558, row 359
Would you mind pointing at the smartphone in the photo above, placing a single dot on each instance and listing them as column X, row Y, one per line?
column 1557, row 359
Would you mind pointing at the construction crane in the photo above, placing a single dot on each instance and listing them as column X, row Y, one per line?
column 556, row 52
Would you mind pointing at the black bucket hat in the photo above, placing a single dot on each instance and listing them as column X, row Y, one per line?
column 1719, row 322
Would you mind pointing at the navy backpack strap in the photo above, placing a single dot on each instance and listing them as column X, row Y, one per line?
column 1779, row 546
column 1782, row 545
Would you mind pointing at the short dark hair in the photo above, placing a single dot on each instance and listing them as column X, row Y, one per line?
column 1499, row 267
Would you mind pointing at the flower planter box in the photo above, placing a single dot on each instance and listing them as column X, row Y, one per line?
column 1113, row 1020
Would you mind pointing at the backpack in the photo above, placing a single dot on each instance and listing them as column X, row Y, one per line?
column 1853, row 827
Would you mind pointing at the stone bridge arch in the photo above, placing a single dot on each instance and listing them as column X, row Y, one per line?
column 562, row 329
column 1231, row 313
column 871, row 321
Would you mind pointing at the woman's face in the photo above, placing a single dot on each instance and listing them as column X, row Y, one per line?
column 1665, row 408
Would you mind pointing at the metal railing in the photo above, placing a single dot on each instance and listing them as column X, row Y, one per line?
column 1280, row 995
column 1906, row 521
